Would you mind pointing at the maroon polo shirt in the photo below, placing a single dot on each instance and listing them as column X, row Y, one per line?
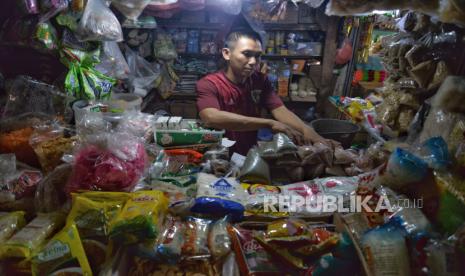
column 217, row 91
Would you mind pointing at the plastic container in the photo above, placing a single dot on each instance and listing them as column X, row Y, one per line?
column 118, row 105
column 339, row 130
column 187, row 135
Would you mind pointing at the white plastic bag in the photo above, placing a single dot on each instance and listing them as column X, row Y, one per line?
column 112, row 62
column 98, row 23
column 228, row 6
column 142, row 74
column 131, row 8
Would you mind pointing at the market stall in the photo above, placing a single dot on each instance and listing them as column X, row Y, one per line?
column 106, row 169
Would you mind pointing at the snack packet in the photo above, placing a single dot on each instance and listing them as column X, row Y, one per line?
column 64, row 254
column 140, row 218
column 219, row 242
column 196, row 237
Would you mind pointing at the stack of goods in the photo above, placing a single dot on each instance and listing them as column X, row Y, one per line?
column 186, row 83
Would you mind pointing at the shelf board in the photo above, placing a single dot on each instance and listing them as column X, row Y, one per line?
column 291, row 26
column 199, row 55
column 270, row 56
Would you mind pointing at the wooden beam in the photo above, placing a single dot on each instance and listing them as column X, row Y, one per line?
column 329, row 55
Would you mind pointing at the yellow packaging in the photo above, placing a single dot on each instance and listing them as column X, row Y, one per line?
column 140, row 218
column 10, row 223
column 63, row 254
column 91, row 213
column 254, row 206
column 31, row 237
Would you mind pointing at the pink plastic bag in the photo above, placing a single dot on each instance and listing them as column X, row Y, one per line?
column 344, row 54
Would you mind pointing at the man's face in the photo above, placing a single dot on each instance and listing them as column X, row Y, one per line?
column 244, row 57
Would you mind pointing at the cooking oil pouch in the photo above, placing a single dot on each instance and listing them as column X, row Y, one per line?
column 140, row 218
column 30, row 238
column 63, row 255
column 10, row 223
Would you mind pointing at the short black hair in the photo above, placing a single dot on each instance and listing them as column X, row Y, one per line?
column 234, row 36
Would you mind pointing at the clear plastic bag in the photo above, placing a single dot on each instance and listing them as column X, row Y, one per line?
column 255, row 169
column 50, row 143
column 50, row 194
column 228, row 6
column 27, row 95
column 218, row 239
column 138, row 124
column 108, row 162
column 51, row 8
column 112, row 62
column 452, row 11
column 142, row 74
column 98, row 23
column 132, row 9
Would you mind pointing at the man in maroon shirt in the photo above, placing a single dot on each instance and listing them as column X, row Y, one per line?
column 232, row 99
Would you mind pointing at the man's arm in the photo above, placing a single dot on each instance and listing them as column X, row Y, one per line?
column 215, row 118
column 285, row 116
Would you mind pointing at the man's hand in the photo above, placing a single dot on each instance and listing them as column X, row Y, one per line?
column 294, row 135
column 310, row 137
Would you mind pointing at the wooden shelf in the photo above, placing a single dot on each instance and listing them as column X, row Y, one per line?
column 291, row 27
column 182, row 96
column 199, row 55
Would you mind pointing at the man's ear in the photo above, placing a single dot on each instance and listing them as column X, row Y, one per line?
column 226, row 53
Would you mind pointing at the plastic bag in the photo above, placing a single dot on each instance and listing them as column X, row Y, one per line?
column 171, row 240
column 423, row 73
column 31, row 237
column 29, row 6
column 218, row 239
column 435, row 152
column 450, row 95
column 98, row 23
column 140, row 218
column 112, row 162
column 219, row 196
column 47, row 36
column 50, row 194
column 231, row 7
column 163, row 48
column 50, row 8
column 255, row 169
column 10, row 223
column 451, row 11
column 64, row 252
column 403, row 168
column 112, row 62
column 251, row 257
column 196, row 237
column 344, row 54
column 131, row 9
column 37, row 96
column 383, row 246
column 86, row 83
column 50, row 144
column 142, row 74
column 138, row 124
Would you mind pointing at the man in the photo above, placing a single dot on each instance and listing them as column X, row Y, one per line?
column 231, row 99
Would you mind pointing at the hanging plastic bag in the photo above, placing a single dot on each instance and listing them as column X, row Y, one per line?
column 344, row 54
column 142, row 74
column 98, row 23
column 228, row 6
column 112, row 62
column 50, row 8
column 131, row 9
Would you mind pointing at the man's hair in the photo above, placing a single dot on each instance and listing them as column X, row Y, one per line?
column 234, row 36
